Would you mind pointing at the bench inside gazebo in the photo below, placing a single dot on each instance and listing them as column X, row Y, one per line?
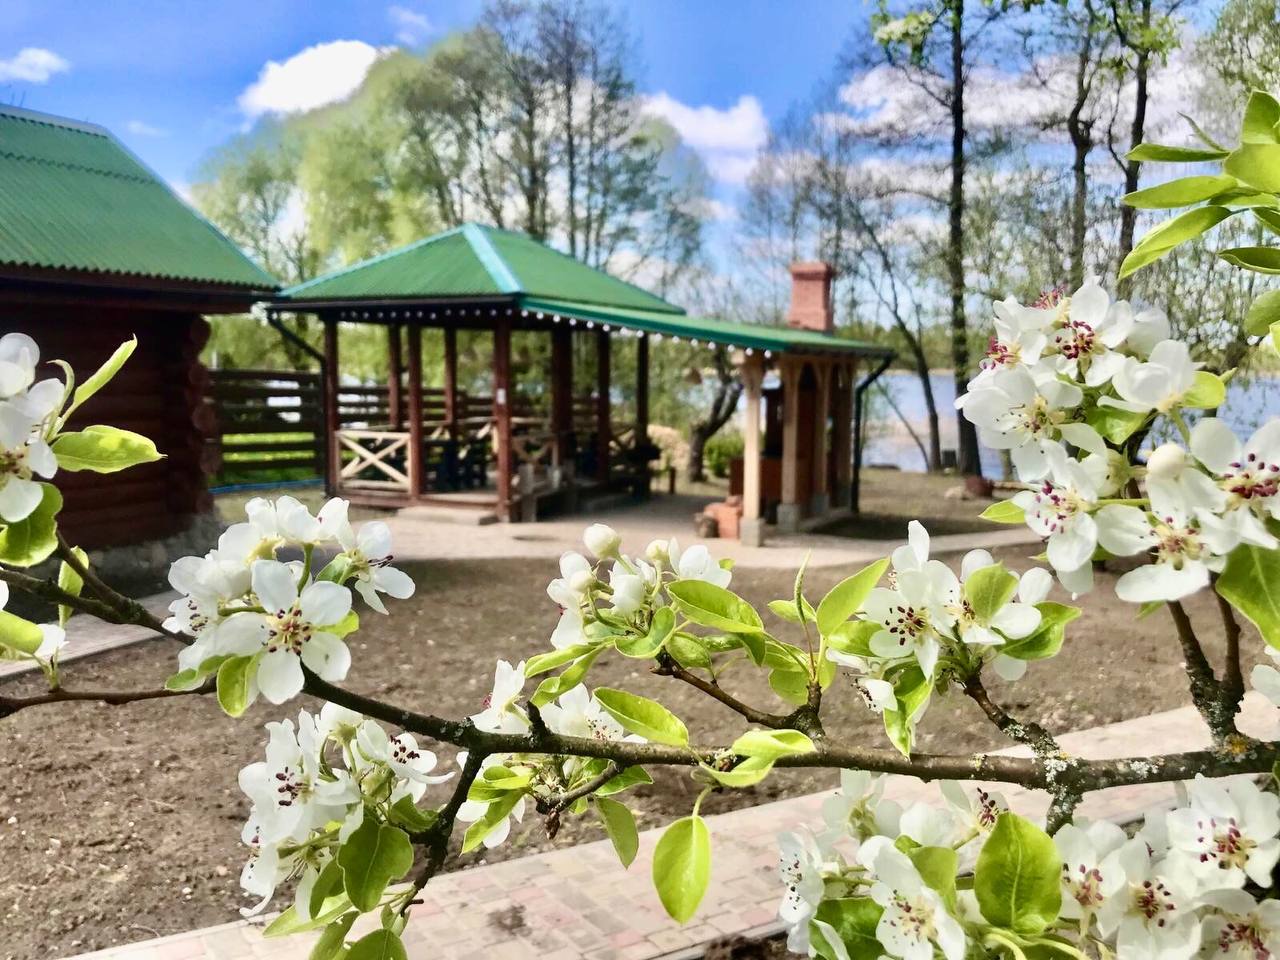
column 520, row 446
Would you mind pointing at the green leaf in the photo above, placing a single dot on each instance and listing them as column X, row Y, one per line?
column 620, row 825
column 1004, row 511
column 1207, row 391
column 854, row 920
column 18, row 634
column 1017, row 876
column 786, row 609
column 1250, row 582
column 1158, row 153
column 1257, row 259
column 496, row 781
column 372, row 857
column 1261, row 114
column 30, row 541
column 791, row 684
column 553, row 687
column 1046, row 640
column 912, row 688
column 494, row 814
column 988, row 589
column 1270, row 218
column 235, row 683
column 746, row 774
column 407, row 814
column 646, row 717
column 647, row 647
column 1179, row 193
column 334, row 938
column 1163, row 238
column 102, row 376
column 542, row 662
column 1263, row 312
column 1115, row 424
column 713, row 606
column 682, row 866
column 103, row 449
column 937, row 867
column 1257, row 164
column 629, row 777
column 289, row 922
column 71, row 582
column 347, row 625
column 327, row 885
column 379, row 945
column 846, row 597
column 192, row 678
column 772, row 744
column 854, row 637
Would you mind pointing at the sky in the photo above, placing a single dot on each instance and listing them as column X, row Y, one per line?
column 175, row 80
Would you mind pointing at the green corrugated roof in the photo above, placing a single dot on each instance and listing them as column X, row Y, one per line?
column 72, row 197
column 474, row 260
column 755, row 336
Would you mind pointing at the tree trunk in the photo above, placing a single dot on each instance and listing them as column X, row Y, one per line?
column 723, row 405
column 1132, row 169
column 969, row 459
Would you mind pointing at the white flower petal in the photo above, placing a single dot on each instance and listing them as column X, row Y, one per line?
column 274, row 584
column 280, row 675
column 324, row 603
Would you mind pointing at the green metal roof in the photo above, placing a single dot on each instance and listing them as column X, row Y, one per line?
column 476, row 261
column 754, row 336
column 72, row 197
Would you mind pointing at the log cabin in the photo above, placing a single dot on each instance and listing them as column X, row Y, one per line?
column 95, row 248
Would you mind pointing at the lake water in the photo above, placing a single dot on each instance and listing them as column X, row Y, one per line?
column 1248, row 406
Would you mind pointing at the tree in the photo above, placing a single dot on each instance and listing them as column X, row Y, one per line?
column 725, row 392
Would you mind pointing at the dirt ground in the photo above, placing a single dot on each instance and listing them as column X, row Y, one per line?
column 122, row 823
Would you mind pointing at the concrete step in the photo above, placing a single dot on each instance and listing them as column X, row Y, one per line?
column 462, row 515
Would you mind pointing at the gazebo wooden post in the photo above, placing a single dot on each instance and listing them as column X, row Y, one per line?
column 818, row 501
column 333, row 454
column 395, row 412
column 751, row 528
column 562, row 398
column 789, row 510
column 415, row 410
column 451, row 381
column 642, row 417
column 602, row 408
column 842, row 434
column 502, row 414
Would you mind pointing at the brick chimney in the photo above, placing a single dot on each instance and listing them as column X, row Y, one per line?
column 811, row 297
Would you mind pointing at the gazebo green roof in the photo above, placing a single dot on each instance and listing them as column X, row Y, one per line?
column 475, row 262
column 73, row 198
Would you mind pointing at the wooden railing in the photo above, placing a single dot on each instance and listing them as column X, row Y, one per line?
column 374, row 460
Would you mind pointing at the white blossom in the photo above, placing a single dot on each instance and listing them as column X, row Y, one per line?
column 367, row 554
column 501, row 714
column 696, row 563
column 800, row 867
column 1227, row 833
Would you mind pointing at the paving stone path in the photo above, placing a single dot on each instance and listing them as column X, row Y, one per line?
column 578, row 904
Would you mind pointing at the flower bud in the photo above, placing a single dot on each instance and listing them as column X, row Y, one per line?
column 1166, row 461
column 582, row 581
column 656, row 551
column 601, row 540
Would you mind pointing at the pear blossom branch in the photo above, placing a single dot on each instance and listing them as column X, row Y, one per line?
column 436, row 837
column 50, row 592
column 1028, row 733
column 1232, row 677
column 115, row 698
column 668, row 667
column 127, row 609
column 554, row 806
column 1206, row 692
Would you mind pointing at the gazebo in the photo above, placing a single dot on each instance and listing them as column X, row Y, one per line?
column 512, row 453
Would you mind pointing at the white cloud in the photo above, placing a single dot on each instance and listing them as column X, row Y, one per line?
column 32, row 65
column 726, row 139
column 141, row 129
column 311, row 78
column 411, row 27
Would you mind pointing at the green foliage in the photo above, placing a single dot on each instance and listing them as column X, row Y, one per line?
column 29, row 541
column 989, row 589
column 71, row 582
column 854, row 920
column 1004, row 511
column 682, row 866
column 711, row 606
column 18, row 637
column 1250, row 582
column 912, row 688
column 102, row 376
column 620, row 825
column 103, row 449
column 1016, row 879
column 1046, row 640
column 646, row 717
column 772, row 744
column 379, row 945
column 374, row 855
column 847, row 596
column 235, row 683
column 720, row 450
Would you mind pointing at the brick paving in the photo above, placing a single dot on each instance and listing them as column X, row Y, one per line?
column 578, row 904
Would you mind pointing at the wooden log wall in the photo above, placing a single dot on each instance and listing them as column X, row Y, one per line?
column 161, row 393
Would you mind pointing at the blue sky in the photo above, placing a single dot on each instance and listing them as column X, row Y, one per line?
column 171, row 78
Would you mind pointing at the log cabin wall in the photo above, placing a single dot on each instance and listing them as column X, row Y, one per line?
column 160, row 393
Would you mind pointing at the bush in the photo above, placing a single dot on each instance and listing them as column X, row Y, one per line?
column 720, row 450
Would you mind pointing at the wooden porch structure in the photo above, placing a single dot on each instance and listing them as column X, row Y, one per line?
column 516, row 455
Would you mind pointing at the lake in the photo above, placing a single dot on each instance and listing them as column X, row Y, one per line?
column 1249, row 405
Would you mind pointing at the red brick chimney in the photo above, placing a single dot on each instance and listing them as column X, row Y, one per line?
column 811, row 297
